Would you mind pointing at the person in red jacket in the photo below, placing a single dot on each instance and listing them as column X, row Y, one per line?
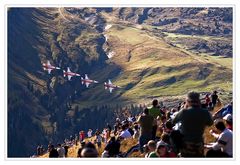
column 82, row 136
column 207, row 100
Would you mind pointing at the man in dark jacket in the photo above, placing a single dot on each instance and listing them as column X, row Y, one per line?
column 113, row 147
column 214, row 97
column 194, row 120
column 53, row 152
column 146, row 123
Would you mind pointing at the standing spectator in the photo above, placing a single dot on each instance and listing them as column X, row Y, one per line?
column 136, row 131
column 38, row 150
column 61, row 151
column 194, row 120
column 214, row 97
column 146, row 124
column 66, row 147
column 98, row 139
column 41, row 150
column 223, row 146
column 76, row 139
column 89, row 133
column 207, row 100
column 72, row 139
column 109, row 129
column 82, row 136
column 53, row 152
column 154, row 112
column 49, row 146
column 105, row 135
column 113, row 147
column 117, row 125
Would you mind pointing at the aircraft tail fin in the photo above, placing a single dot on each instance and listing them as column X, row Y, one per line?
column 105, row 85
column 82, row 80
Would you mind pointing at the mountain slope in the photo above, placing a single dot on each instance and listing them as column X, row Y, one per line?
column 144, row 50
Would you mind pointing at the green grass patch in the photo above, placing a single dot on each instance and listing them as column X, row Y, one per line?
column 130, row 35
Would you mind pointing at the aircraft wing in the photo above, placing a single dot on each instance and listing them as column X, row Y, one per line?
column 49, row 71
column 68, row 69
column 86, row 77
column 109, row 81
column 110, row 90
column 87, row 84
column 69, row 77
column 105, row 85
column 82, row 80
column 48, row 63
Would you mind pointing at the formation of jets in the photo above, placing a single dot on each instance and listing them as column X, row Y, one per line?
column 108, row 85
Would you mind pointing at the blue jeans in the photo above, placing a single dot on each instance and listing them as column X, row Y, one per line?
column 143, row 139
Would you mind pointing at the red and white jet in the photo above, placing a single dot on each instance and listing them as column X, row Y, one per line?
column 47, row 66
column 69, row 74
column 110, row 86
column 87, row 81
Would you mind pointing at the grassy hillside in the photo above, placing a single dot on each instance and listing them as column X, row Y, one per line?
column 150, row 52
column 152, row 67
